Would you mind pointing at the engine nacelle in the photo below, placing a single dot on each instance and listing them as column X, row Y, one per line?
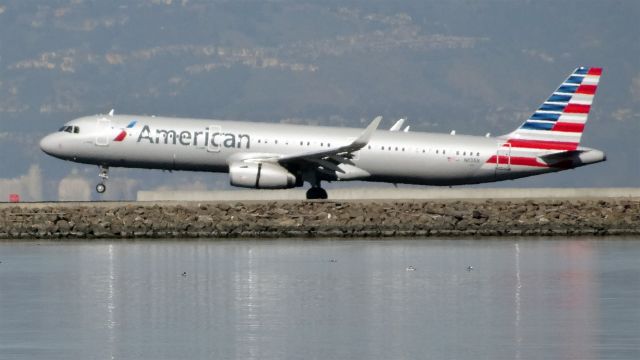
column 261, row 176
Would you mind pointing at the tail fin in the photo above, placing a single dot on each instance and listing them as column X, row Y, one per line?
column 558, row 123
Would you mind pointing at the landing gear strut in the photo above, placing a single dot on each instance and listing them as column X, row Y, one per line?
column 316, row 191
column 104, row 175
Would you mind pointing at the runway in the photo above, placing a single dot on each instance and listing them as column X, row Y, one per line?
column 377, row 193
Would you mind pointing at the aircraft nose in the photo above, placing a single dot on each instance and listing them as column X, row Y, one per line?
column 49, row 144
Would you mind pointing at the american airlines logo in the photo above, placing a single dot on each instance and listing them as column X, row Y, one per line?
column 206, row 137
column 123, row 134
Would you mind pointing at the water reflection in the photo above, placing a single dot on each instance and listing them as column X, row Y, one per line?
column 110, row 303
column 517, row 302
column 321, row 299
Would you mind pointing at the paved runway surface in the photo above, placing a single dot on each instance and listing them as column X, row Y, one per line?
column 372, row 193
column 364, row 194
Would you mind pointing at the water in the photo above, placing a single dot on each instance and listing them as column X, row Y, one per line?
column 526, row 299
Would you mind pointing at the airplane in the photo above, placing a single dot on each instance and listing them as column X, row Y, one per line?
column 280, row 156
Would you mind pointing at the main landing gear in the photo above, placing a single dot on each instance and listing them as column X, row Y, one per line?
column 104, row 175
column 316, row 192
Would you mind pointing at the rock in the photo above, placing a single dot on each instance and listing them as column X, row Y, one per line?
column 63, row 225
column 325, row 218
column 280, row 211
column 477, row 214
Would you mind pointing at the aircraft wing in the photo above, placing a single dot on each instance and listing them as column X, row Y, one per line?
column 356, row 145
column 336, row 162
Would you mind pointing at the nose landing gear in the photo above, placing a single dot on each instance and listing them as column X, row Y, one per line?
column 104, row 175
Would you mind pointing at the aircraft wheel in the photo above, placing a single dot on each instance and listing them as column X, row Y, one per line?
column 323, row 193
column 101, row 188
column 316, row 193
column 312, row 193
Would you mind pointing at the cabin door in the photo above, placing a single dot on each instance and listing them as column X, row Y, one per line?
column 103, row 131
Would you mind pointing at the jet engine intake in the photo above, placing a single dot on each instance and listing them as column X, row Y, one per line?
column 261, row 176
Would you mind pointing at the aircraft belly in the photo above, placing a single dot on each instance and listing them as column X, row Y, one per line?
column 421, row 169
column 162, row 156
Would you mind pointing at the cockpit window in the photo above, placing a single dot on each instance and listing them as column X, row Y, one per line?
column 70, row 129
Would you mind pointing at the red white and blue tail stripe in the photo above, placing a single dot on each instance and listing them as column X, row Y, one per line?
column 559, row 122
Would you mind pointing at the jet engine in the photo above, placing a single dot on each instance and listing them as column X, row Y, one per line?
column 261, row 176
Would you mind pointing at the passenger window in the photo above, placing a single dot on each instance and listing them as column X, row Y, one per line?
column 443, row 152
column 437, row 151
column 478, row 154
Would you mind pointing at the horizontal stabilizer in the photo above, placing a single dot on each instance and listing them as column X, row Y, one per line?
column 566, row 159
column 563, row 155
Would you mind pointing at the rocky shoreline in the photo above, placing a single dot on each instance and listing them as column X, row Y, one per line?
column 309, row 219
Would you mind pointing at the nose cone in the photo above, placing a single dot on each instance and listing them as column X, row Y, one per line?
column 49, row 144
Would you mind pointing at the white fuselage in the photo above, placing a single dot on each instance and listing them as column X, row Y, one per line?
column 212, row 145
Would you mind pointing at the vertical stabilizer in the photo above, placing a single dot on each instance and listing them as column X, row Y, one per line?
column 559, row 122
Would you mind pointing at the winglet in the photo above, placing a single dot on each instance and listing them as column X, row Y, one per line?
column 364, row 138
